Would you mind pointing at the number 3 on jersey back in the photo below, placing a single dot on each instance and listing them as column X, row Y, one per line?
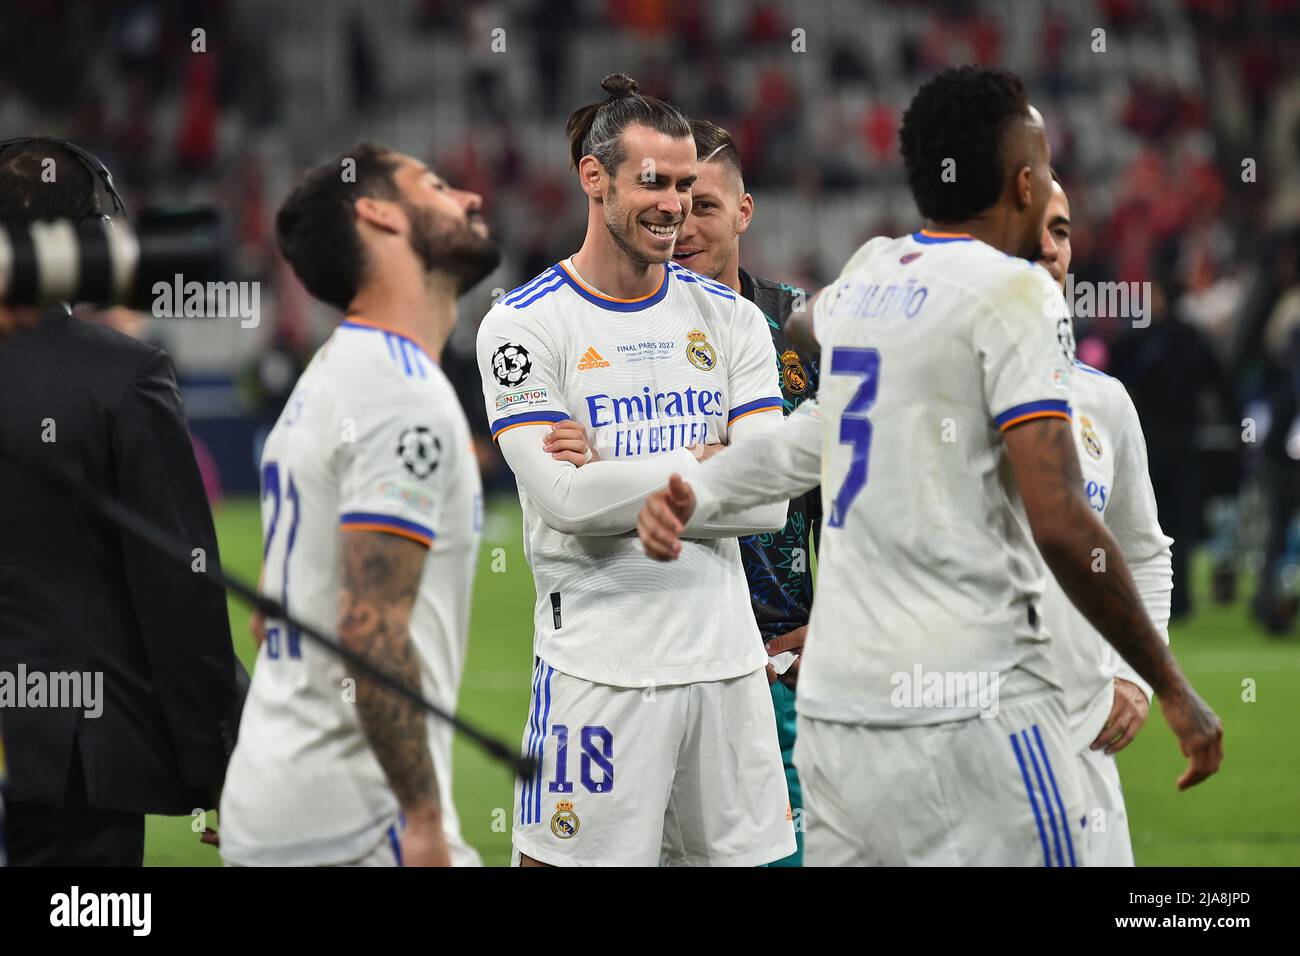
column 855, row 427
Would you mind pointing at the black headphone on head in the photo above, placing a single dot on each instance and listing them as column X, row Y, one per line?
column 88, row 160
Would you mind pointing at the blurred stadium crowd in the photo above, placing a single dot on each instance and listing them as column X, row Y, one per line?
column 1178, row 143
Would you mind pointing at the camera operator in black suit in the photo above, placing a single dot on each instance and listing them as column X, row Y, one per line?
column 78, row 596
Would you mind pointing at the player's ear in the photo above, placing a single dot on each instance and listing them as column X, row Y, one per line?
column 1024, row 187
column 591, row 174
column 744, row 213
column 378, row 213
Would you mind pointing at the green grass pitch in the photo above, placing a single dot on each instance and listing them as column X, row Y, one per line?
column 1247, row 815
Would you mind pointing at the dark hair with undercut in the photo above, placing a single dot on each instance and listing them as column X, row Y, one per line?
column 29, row 193
column 964, row 114
column 316, row 228
column 713, row 144
column 597, row 128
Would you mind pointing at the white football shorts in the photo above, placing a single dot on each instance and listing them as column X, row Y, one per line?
column 688, row 775
column 997, row 791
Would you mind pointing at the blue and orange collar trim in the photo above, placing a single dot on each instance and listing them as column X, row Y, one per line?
column 929, row 237
column 609, row 302
column 365, row 325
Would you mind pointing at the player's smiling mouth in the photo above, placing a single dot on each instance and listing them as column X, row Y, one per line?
column 663, row 232
column 686, row 255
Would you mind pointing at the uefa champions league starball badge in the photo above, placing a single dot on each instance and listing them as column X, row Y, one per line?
column 419, row 451
column 511, row 364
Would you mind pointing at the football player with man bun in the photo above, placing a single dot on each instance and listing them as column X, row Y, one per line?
column 650, row 715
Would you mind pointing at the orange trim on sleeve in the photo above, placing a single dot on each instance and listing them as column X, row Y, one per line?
column 1033, row 415
column 769, row 408
column 497, row 434
column 388, row 529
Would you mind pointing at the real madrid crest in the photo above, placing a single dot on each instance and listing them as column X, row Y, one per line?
column 700, row 352
column 1090, row 440
column 564, row 823
column 792, row 372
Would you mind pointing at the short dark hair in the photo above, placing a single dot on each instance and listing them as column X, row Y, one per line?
column 597, row 128
column 316, row 227
column 29, row 193
column 714, row 144
column 963, row 115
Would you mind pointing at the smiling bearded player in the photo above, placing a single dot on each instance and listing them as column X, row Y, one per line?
column 651, row 717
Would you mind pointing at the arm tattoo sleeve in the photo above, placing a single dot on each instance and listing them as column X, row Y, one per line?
column 381, row 574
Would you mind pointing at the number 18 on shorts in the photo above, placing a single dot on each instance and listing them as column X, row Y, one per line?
column 688, row 775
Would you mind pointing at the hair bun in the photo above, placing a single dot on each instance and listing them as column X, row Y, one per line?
column 617, row 85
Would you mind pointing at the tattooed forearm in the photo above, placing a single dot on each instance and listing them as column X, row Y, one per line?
column 1081, row 552
column 380, row 577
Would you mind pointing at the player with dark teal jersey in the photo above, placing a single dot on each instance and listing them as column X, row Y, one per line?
column 778, row 566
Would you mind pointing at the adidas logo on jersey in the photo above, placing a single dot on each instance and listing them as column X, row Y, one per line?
column 591, row 359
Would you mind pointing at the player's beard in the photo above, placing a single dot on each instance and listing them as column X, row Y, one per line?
column 616, row 218
column 451, row 247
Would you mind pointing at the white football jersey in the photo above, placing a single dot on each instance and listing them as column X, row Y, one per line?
column 646, row 377
column 1113, row 459
column 932, row 344
column 372, row 437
